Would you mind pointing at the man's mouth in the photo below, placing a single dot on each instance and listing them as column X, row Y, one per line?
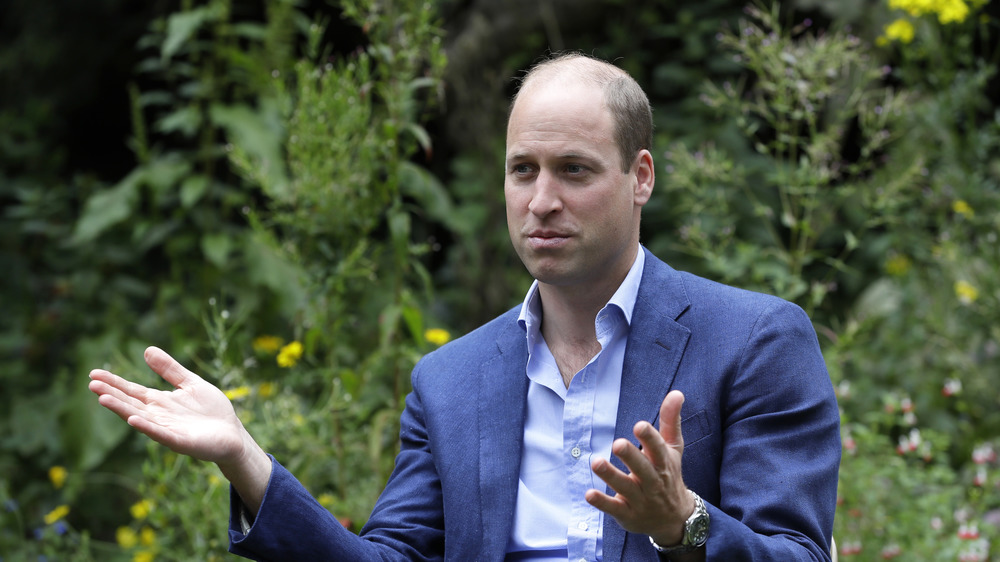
column 543, row 239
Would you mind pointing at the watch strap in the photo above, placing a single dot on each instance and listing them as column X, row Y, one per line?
column 695, row 530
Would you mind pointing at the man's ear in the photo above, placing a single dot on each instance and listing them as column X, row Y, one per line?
column 645, row 177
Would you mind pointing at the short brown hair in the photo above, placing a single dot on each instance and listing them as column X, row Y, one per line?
column 625, row 99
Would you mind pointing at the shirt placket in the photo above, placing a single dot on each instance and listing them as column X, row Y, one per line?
column 584, row 526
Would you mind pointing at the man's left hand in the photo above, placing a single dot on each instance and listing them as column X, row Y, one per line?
column 652, row 498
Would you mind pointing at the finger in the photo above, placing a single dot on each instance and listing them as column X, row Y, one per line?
column 121, row 408
column 102, row 389
column 622, row 483
column 616, row 506
column 168, row 368
column 152, row 430
column 104, row 382
column 654, row 447
column 670, row 420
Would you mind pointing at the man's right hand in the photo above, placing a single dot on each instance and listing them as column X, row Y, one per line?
column 194, row 419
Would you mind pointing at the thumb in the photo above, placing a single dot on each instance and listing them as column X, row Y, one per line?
column 670, row 420
column 167, row 367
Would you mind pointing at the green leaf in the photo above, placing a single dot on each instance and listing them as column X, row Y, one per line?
column 432, row 196
column 192, row 190
column 107, row 208
column 350, row 380
column 852, row 240
column 388, row 320
column 414, row 322
column 152, row 234
column 89, row 432
column 185, row 120
column 32, row 426
column 259, row 137
column 182, row 25
column 421, row 135
column 216, row 248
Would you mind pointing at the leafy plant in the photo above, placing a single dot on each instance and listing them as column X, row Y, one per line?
column 789, row 220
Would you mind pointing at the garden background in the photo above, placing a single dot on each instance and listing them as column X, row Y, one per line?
column 299, row 198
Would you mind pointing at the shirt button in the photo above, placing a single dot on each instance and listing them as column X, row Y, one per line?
column 576, row 452
column 582, row 525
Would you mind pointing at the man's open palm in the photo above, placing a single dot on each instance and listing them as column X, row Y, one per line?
column 194, row 419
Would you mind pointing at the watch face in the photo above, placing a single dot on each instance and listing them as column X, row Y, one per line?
column 698, row 529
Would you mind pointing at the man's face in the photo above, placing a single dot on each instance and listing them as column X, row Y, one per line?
column 573, row 215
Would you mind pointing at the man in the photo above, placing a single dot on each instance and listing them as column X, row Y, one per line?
column 533, row 436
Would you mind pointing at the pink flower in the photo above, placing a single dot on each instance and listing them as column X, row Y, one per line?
column 951, row 387
column 968, row 532
column 906, row 405
column 850, row 548
column 891, row 551
column 980, row 479
column 984, row 454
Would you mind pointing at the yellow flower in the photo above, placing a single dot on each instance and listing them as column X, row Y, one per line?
column 266, row 389
column 298, row 420
column 948, row 11
column 56, row 514
column 147, row 536
column 915, row 8
column 57, row 474
column 238, row 392
column 326, row 500
column 141, row 509
column 967, row 294
column 143, row 556
column 267, row 344
column 952, row 11
column 898, row 265
column 290, row 354
column 900, row 30
column 963, row 208
column 126, row 537
column 437, row 336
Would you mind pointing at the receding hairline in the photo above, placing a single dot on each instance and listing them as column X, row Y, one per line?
column 570, row 67
column 621, row 95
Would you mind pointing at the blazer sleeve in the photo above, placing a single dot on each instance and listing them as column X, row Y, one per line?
column 780, row 454
column 407, row 524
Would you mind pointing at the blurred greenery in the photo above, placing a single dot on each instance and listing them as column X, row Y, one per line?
column 298, row 199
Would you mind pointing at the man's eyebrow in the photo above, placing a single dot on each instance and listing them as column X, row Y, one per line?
column 575, row 156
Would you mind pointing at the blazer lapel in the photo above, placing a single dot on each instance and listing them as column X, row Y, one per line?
column 655, row 347
column 503, row 391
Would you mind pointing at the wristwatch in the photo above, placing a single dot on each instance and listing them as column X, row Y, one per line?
column 695, row 530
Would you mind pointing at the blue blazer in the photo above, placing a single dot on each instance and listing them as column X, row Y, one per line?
column 760, row 424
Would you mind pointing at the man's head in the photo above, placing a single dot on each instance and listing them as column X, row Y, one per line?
column 573, row 193
column 625, row 99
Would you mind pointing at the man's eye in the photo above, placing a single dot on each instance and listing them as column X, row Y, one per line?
column 574, row 169
column 522, row 169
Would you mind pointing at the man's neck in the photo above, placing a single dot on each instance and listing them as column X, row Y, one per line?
column 568, row 323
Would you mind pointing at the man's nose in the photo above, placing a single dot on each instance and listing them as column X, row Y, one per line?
column 546, row 197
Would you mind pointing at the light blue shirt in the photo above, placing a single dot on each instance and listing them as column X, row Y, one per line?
column 564, row 430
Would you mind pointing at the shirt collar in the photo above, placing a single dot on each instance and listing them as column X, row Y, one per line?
column 624, row 299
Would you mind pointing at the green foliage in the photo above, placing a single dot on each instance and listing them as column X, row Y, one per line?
column 276, row 236
column 342, row 218
column 787, row 220
column 181, row 230
column 917, row 358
